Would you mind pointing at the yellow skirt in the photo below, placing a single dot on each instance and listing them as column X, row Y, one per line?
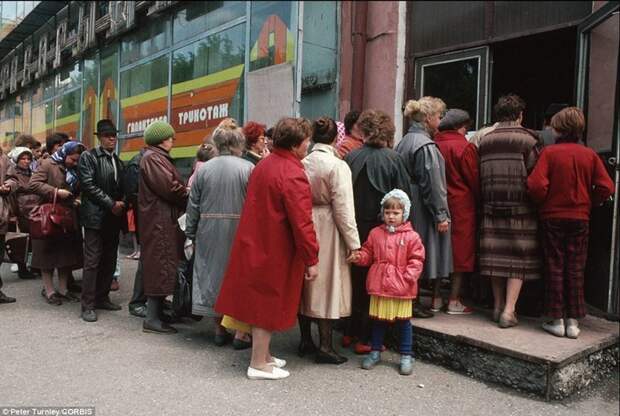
column 390, row 309
column 231, row 323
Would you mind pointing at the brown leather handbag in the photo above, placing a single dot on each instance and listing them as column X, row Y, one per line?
column 52, row 220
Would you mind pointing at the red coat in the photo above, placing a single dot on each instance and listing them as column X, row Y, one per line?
column 396, row 261
column 568, row 179
column 460, row 201
column 274, row 243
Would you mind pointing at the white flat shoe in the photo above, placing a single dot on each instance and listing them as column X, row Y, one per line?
column 276, row 374
column 557, row 330
column 572, row 329
column 277, row 362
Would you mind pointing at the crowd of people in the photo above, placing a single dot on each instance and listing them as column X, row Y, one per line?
column 319, row 222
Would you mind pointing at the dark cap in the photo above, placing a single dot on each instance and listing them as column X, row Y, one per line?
column 105, row 127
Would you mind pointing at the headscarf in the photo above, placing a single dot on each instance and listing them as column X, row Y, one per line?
column 404, row 200
column 341, row 133
column 17, row 152
column 59, row 157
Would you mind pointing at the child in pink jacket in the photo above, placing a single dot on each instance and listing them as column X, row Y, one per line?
column 395, row 254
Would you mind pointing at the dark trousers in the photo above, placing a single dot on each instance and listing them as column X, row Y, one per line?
column 100, row 252
column 566, row 251
column 405, row 330
column 359, row 322
column 2, row 248
column 138, row 297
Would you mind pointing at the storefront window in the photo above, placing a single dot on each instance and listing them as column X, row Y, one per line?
column 69, row 78
column 271, row 37
column 207, row 86
column 68, row 114
column 153, row 38
column 144, row 98
column 200, row 16
column 89, row 107
column 108, row 97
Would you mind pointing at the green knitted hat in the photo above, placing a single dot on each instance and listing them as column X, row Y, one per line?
column 157, row 132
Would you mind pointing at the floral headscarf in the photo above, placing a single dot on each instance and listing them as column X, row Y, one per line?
column 60, row 155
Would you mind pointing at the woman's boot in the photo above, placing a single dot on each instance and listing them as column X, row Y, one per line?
column 326, row 353
column 152, row 322
column 306, row 346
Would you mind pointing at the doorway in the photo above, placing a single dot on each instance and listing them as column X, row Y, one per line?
column 538, row 68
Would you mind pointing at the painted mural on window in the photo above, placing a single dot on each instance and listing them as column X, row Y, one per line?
column 271, row 37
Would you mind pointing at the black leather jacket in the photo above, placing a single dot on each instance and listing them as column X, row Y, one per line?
column 99, row 189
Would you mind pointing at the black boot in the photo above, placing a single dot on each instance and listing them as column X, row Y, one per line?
column 153, row 323
column 306, row 346
column 326, row 353
column 6, row 299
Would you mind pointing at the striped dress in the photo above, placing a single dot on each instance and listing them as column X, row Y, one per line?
column 509, row 244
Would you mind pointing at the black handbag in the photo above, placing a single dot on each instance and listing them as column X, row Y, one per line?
column 182, row 297
column 16, row 247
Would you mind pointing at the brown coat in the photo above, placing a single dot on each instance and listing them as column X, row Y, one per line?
column 4, row 201
column 22, row 201
column 162, row 198
column 61, row 252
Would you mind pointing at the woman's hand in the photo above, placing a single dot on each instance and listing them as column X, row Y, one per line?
column 77, row 202
column 63, row 194
column 4, row 189
column 442, row 227
column 312, row 272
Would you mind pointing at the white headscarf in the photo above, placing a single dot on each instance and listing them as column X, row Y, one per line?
column 17, row 152
column 402, row 197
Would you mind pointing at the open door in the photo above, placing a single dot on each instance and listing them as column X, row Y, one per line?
column 597, row 94
column 460, row 78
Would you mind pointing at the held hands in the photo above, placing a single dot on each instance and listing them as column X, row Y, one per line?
column 4, row 189
column 354, row 256
column 311, row 272
column 442, row 227
column 118, row 208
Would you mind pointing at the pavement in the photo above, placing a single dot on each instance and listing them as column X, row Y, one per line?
column 50, row 357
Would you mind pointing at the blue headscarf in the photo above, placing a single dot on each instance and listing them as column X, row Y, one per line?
column 59, row 157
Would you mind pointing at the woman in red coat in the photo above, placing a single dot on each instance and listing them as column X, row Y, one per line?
column 274, row 246
column 452, row 143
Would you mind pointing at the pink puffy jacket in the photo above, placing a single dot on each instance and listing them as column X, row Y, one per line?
column 396, row 261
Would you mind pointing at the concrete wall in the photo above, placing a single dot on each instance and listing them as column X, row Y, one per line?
column 384, row 64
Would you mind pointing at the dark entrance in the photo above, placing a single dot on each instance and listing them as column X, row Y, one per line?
column 539, row 68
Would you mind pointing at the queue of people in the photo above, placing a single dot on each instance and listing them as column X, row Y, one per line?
column 320, row 223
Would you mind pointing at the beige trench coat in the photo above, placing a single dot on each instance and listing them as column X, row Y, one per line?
column 333, row 213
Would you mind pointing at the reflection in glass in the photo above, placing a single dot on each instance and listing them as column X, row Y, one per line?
column 145, row 42
column 200, row 16
column 456, row 83
column 603, row 73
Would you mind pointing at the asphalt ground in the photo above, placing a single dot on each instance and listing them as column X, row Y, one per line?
column 50, row 357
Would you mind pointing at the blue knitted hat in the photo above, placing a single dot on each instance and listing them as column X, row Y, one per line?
column 402, row 197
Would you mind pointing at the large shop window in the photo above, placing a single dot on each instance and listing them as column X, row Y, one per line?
column 272, row 40
column 144, row 98
column 460, row 79
column 108, row 97
column 207, row 87
column 154, row 38
column 200, row 16
column 89, row 104
column 67, row 103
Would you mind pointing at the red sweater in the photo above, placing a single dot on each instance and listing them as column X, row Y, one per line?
column 568, row 179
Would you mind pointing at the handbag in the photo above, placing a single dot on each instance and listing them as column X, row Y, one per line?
column 52, row 220
column 16, row 247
